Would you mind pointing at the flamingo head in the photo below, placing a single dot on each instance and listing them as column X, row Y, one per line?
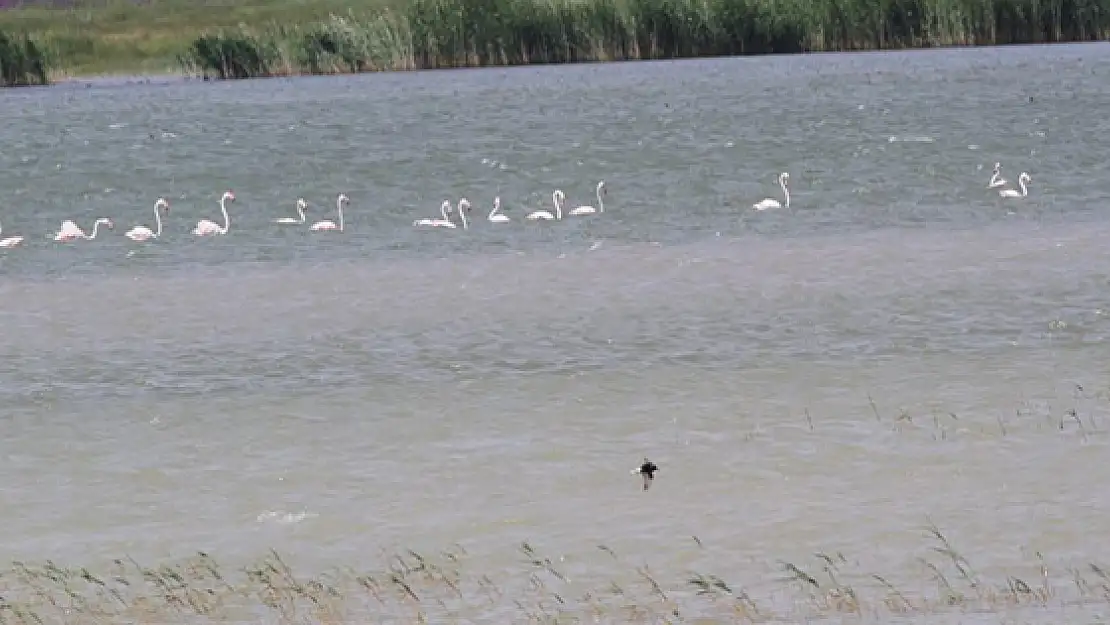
column 497, row 202
column 301, row 204
column 228, row 195
column 446, row 206
column 464, row 204
column 107, row 222
column 784, row 177
column 558, row 197
column 162, row 204
column 997, row 167
column 1024, row 176
column 343, row 198
column 601, row 188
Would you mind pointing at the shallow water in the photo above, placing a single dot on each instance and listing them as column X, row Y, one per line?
column 899, row 345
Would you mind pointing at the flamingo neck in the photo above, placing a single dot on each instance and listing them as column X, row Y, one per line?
column 158, row 220
column 600, row 202
column 227, row 218
column 462, row 216
column 339, row 209
column 96, row 228
column 785, row 191
column 443, row 211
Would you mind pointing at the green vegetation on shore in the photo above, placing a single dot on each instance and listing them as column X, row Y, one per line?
column 250, row 38
column 22, row 62
column 447, row 587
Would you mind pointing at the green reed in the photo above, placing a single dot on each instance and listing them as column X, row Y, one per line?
column 450, row 587
column 472, row 33
column 22, row 61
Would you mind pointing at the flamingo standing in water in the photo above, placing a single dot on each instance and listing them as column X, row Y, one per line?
column 1022, row 179
column 772, row 202
column 557, row 198
column 206, row 227
column 996, row 178
column 495, row 215
column 70, row 232
column 444, row 209
column 301, row 206
column 10, row 241
column 142, row 233
column 464, row 208
column 328, row 224
column 590, row 210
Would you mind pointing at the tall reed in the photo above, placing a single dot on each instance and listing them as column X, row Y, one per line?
column 22, row 61
column 472, row 33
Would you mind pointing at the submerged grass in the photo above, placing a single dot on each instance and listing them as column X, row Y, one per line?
column 22, row 61
column 248, row 38
column 413, row 587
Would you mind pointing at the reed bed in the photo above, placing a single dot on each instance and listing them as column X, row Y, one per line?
column 22, row 61
column 429, row 34
column 449, row 587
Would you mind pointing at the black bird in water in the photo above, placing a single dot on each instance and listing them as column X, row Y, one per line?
column 647, row 470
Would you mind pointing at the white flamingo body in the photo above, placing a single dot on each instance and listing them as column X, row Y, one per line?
column 590, row 210
column 301, row 206
column 772, row 202
column 996, row 178
column 1022, row 179
column 438, row 223
column 142, row 233
column 557, row 198
column 494, row 215
column 70, row 232
column 206, row 227
column 328, row 224
column 10, row 241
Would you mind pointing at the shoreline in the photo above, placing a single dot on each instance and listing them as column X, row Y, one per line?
column 285, row 38
column 126, row 77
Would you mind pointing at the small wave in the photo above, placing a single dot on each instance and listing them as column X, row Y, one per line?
column 910, row 139
column 277, row 516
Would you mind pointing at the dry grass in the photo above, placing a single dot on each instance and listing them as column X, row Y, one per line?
column 450, row 587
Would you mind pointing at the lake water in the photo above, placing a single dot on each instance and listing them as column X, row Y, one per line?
column 899, row 346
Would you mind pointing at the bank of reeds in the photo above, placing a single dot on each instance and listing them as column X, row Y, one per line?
column 430, row 34
column 22, row 61
column 451, row 587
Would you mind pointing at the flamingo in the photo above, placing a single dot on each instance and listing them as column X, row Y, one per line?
column 142, row 233
column 464, row 208
column 496, row 217
column 444, row 209
column 327, row 224
column 772, row 202
column 1022, row 179
column 301, row 206
column 206, row 227
column 996, row 178
column 10, row 241
column 557, row 198
column 70, row 232
column 590, row 210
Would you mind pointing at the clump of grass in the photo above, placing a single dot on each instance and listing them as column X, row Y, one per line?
column 22, row 61
column 232, row 55
column 449, row 587
column 426, row 34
